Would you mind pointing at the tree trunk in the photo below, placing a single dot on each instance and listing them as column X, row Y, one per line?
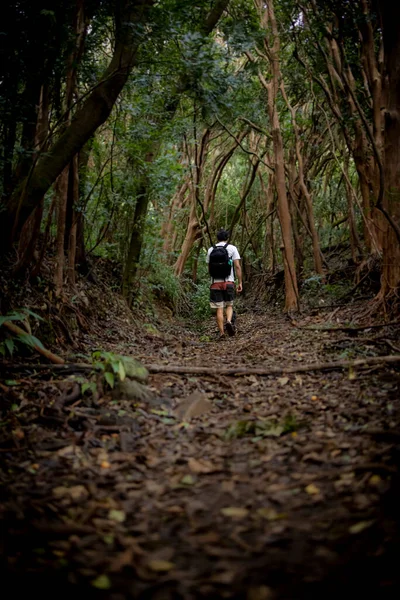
column 391, row 249
column 31, row 228
column 61, row 190
column 354, row 239
column 304, row 189
column 291, row 290
column 81, row 257
column 269, row 245
column 136, row 241
column 168, row 227
column 196, row 260
column 72, row 236
column 93, row 112
column 193, row 232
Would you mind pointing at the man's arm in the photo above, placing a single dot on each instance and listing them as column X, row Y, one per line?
column 238, row 271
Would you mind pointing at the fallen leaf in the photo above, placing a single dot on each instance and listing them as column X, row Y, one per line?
column 160, row 566
column 188, row 480
column 312, row 489
column 352, row 373
column 193, row 406
column 360, row 526
column 78, row 492
column 117, row 515
column 270, row 514
column 261, row 592
column 235, row 512
column 102, row 582
column 18, row 433
column 375, row 480
column 282, row 380
column 154, row 488
column 226, row 577
column 59, row 491
column 200, row 466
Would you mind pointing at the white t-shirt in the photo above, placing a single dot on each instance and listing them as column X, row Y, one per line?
column 233, row 254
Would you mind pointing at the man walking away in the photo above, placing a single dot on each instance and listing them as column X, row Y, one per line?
column 224, row 263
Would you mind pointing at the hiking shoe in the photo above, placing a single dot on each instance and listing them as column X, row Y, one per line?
column 233, row 320
column 230, row 328
column 221, row 337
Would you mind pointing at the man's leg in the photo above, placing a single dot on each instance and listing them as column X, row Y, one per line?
column 229, row 313
column 220, row 319
column 217, row 304
column 230, row 295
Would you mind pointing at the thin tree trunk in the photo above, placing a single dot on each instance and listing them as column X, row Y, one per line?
column 61, row 189
column 391, row 249
column 269, row 246
column 196, row 260
column 31, row 228
column 291, row 290
column 36, row 269
column 304, row 189
column 169, row 225
column 354, row 239
column 136, row 241
column 193, row 232
column 72, row 237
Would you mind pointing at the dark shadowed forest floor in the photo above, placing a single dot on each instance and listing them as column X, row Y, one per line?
column 213, row 486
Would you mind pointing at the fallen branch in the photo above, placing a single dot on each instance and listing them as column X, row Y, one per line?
column 46, row 353
column 328, row 366
column 206, row 370
column 348, row 327
column 60, row 367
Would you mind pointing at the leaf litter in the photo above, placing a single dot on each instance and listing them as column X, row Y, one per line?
column 206, row 486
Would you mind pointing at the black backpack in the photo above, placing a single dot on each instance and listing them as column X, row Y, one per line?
column 220, row 263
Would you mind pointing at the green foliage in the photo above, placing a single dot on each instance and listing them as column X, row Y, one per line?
column 319, row 293
column 200, row 300
column 116, row 367
column 15, row 342
column 263, row 428
column 111, row 364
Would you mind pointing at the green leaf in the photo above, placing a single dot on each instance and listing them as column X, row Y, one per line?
column 30, row 340
column 10, row 346
column 99, row 366
column 109, row 377
column 102, row 582
column 188, row 480
column 117, row 515
column 115, row 366
column 121, row 371
column 89, row 385
column 27, row 311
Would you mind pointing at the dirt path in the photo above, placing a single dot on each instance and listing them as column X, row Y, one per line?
column 214, row 487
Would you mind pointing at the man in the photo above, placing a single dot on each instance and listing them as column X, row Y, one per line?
column 224, row 262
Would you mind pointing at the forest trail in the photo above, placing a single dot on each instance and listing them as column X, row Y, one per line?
column 214, row 486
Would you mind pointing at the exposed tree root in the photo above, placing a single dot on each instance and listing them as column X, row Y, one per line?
column 350, row 328
column 46, row 353
column 328, row 366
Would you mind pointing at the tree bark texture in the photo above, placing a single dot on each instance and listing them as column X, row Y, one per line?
column 291, row 290
column 390, row 13
column 92, row 113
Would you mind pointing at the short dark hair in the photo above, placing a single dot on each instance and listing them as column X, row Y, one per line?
column 222, row 235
